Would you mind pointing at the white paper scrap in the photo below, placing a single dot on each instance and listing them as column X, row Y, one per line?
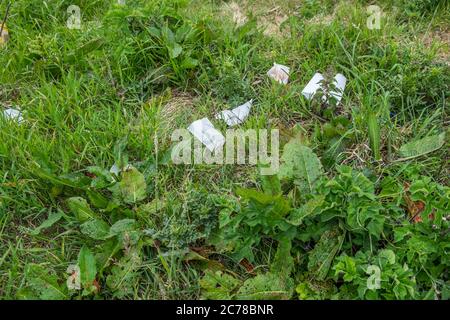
column 279, row 73
column 115, row 169
column 339, row 83
column 13, row 114
column 204, row 131
column 316, row 83
column 236, row 115
column 313, row 85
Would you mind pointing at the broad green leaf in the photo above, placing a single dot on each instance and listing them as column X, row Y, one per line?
column 132, row 187
column 96, row 229
column 421, row 147
column 387, row 255
column 376, row 225
column 174, row 50
column 106, row 253
column 97, row 199
column 85, row 49
column 267, row 286
column 309, row 208
column 218, row 285
column 300, row 164
column 283, row 263
column 50, row 221
column 271, row 184
column 81, row 209
column 253, row 194
column 88, row 268
column 45, row 283
column 46, row 175
column 122, row 226
column 189, row 63
column 321, row 257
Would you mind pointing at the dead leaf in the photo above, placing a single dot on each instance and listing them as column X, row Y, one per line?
column 415, row 208
column 247, row 265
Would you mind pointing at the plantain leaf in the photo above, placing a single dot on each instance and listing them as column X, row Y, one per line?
column 85, row 49
column 80, row 207
column 96, row 229
column 88, row 268
column 121, row 226
column 62, row 181
column 132, row 188
column 105, row 254
column 421, row 147
column 51, row 220
column 45, row 283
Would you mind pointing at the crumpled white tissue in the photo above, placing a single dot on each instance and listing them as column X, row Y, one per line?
column 237, row 115
column 279, row 73
column 204, row 131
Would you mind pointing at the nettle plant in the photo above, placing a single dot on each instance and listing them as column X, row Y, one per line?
column 346, row 236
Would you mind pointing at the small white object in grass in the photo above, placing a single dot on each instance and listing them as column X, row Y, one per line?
column 13, row 114
column 339, row 83
column 115, row 169
column 316, row 83
column 313, row 85
column 279, row 73
column 204, row 131
column 236, row 115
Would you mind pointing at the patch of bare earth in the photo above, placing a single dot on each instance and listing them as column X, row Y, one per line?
column 442, row 38
column 270, row 17
column 272, row 21
column 235, row 11
column 179, row 105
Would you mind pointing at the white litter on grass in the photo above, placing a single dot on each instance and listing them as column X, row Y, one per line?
column 339, row 83
column 313, row 85
column 204, row 131
column 279, row 73
column 116, row 170
column 237, row 115
column 316, row 83
column 13, row 114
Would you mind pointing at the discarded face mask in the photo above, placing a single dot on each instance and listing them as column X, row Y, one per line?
column 279, row 73
column 4, row 36
column 315, row 84
column 237, row 115
column 13, row 114
column 204, row 131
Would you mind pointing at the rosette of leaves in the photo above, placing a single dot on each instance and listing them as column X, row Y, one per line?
column 376, row 277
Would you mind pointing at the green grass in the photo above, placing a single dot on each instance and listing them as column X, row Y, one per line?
column 121, row 78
